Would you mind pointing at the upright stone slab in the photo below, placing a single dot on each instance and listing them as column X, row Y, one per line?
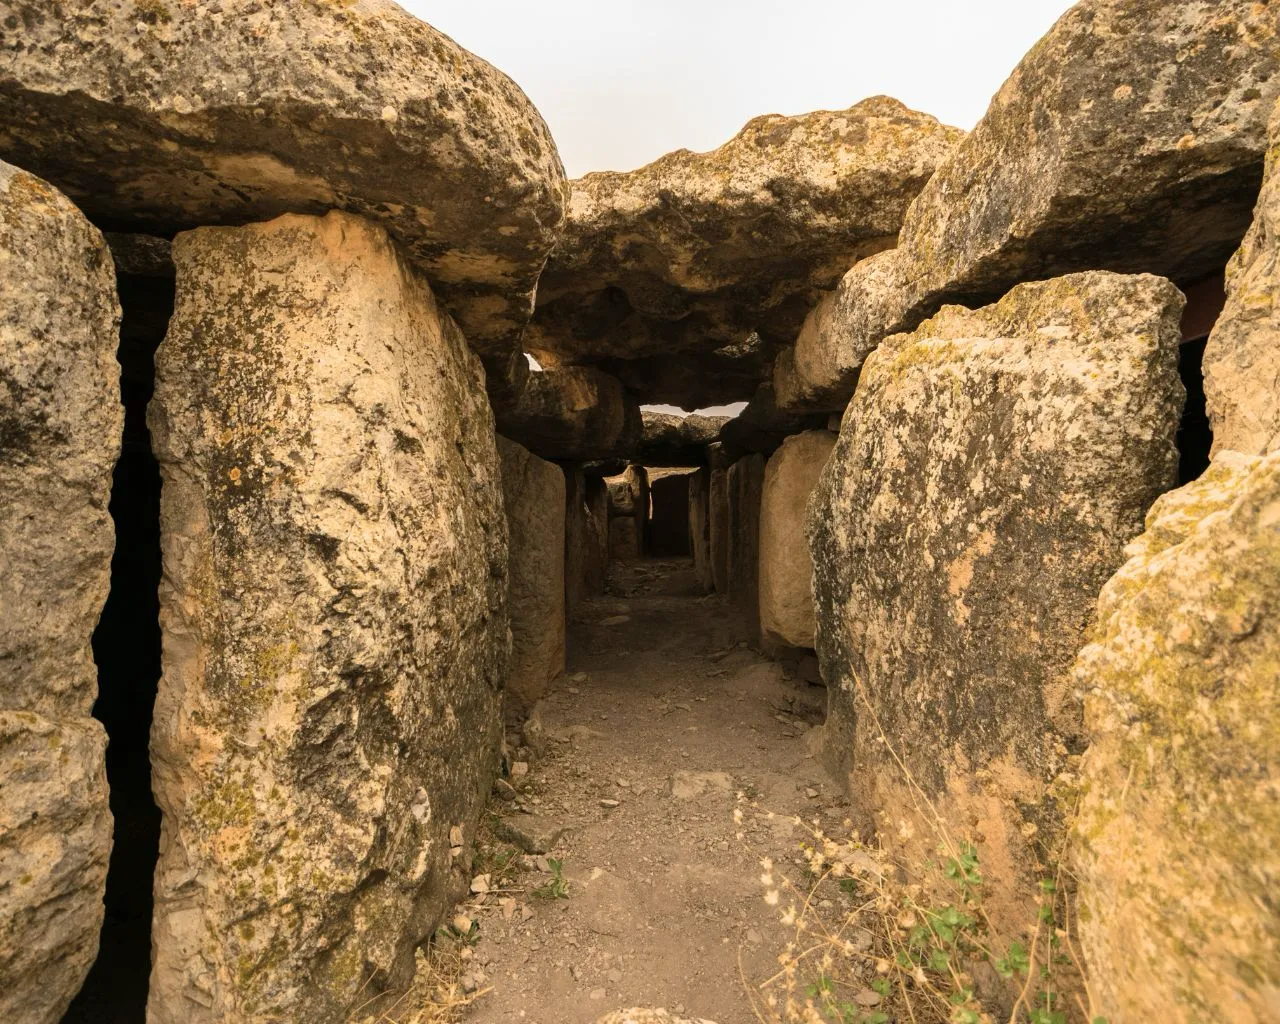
column 745, row 485
column 1242, row 358
column 989, row 472
column 586, row 545
column 60, row 424
column 786, row 570
column 718, row 512
column 534, row 496
column 1179, row 826
column 628, row 514
column 700, row 527
column 334, row 609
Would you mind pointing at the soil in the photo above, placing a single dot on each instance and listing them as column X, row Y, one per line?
column 665, row 710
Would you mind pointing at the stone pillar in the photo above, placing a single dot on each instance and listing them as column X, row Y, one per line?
column 1178, row 852
column 718, row 515
column 989, row 473
column 334, row 610
column 669, row 522
column 628, row 514
column 586, row 550
column 534, row 496
column 60, row 426
column 746, row 484
column 786, row 570
column 700, row 527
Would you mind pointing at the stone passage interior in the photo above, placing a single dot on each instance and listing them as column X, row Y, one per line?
column 126, row 647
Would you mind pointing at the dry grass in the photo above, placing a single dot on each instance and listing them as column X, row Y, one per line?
column 436, row 997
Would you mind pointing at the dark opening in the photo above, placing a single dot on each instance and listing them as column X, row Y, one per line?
column 126, row 647
column 1195, row 437
column 669, row 516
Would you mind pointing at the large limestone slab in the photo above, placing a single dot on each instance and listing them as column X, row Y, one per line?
column 786, row 569
column 700, row 527
column 696, row 251
column 576, row 413
column 586, row 544
column 1242, row 359
column 334, row 609
column 745, row 484
column 718, row 512
column 534, row 498
column 1130, row 138
column 670, row 440
column 163, row 115
column 1179, row 826
column 60, row 427
column 989, row 472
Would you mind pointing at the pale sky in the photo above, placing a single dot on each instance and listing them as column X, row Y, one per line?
column 621, row 82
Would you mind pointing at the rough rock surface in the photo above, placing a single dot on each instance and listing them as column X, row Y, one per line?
column 575, row 413
column 334, row 617
column 60, row 426
column 628, row 513
column 669, row 520
column 745, row 486
column 1179, row 826
column 626, row 539
column 696, row 251
column 1242, row 358
column 762, row 426
column 786, row 570
column 989, row 472
column 586, row 544
column 1130, row 138
column 534, row 496
column 671, row 440
column 718, row 512
column 161, row 115
column 700, row 527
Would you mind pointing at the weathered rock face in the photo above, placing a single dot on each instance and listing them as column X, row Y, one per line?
column 671, row 440
column 762, row 426
column 574, row 413
column 586, row 545
column 786, row 570
column 669, row 523
column 158, row 116
column 534, row 496
column 334, row 616
column 628, row 513
column 718, row 512
column 626, row 539
column 1242, row 358
column 745, row 486
column 60, row 425
column 988, row 474
column 696, row 251
column 700, row 527
column 1179, row 826
column 1131, row 138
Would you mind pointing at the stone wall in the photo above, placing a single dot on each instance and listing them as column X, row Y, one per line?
column 700, row 527
column 586, row 545
column 745, row 485
column 534, row 497
column 60, row 427
column 334, row 608
column 718, row 513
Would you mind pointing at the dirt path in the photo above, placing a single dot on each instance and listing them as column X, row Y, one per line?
column 666, row 712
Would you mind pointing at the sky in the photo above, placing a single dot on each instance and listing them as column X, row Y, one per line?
column 621, row 82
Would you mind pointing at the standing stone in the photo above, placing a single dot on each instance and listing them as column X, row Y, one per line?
column 629, row 514
column 700, row 527
column 534, row 496
column 1242, row 358
column 989, row 472
column 669, row 523
column 625, row 541
column 718, row 512
column 586, row 546
column 745, row 485
column 786, row 570
column 334, row 616
column 60, row 425
column 1179, row 826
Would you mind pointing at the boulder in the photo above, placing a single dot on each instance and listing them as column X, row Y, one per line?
column 700, row 527
column 586, row 546
column 745, row 485
column 60, row 427
column 161, row 115
column 334, row 611
column 534, row 496
column 763, row 425
column 669, row 522
column 1242, row 359
column 1130, row 138
column 576, row 413
column 671, row 440
column 786, row 570
column 696, row 251
column 988, row 474
column 1179, row 828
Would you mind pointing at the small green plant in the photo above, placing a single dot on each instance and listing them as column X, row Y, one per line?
column 557, row 888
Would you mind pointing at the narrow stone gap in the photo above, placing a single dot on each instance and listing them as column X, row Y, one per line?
column 1205, row 300
column 126, row 647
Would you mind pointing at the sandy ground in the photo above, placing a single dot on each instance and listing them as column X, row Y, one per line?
column 665, row 711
